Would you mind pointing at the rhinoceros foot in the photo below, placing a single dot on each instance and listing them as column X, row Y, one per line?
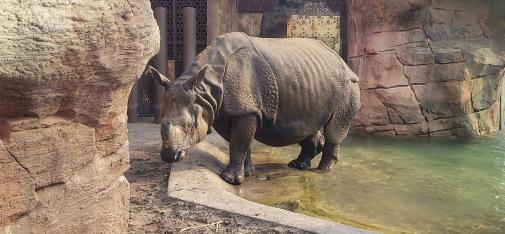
column 233, row 175
column 299, row 164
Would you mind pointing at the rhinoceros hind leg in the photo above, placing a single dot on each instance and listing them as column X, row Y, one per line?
column 335, row 132
column 331, row 153
column 248, row 165
column 311, row 146
column 242, row 134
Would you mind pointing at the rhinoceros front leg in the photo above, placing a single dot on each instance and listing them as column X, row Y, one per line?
column 242, row 134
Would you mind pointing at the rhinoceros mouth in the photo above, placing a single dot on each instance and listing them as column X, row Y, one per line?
column 171, row 155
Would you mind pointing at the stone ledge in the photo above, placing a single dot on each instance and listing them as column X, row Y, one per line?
column 195, row 180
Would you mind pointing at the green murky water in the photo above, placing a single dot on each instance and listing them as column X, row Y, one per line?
column 393, row 185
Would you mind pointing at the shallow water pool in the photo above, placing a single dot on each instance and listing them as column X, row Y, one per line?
column 392, row 184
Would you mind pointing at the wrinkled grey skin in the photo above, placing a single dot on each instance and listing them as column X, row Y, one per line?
column 277, row 91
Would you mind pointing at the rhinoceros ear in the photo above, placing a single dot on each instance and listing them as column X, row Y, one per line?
column 199, row 77
column 160, row 78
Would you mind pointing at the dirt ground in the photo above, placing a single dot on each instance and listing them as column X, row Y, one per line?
column 152, row 211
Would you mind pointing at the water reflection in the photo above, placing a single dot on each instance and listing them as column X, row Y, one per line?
column 393, row 185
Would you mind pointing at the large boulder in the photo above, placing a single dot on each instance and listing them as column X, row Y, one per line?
column 428, row 67
column 66, row 70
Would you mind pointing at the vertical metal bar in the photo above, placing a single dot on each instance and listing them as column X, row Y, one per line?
column 160, row 61
column 189, row 46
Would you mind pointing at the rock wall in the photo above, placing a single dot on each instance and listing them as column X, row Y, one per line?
column 66, row 69
column 428, row 67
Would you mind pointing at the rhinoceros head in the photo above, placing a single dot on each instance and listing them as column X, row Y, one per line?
column 184, row 121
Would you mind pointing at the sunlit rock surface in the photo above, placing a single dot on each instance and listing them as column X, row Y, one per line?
column 66, row 69
column 428, row 67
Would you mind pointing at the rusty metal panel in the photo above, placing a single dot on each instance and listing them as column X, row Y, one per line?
column 313, row 26
column 324, row 28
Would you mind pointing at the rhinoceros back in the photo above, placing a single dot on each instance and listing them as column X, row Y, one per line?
column 275, row 78
column 304, row 60
column 312, row 79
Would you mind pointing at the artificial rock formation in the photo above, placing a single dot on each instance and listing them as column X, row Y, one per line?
column 428, row 67
column 66, row 69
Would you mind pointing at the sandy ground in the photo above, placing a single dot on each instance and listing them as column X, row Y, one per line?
column 152, row 211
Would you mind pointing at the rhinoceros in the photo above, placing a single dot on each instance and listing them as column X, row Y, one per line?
column 277, row 91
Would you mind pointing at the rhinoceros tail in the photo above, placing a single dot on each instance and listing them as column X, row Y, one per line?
column 355, row 101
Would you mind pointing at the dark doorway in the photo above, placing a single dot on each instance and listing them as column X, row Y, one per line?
column 145, row 99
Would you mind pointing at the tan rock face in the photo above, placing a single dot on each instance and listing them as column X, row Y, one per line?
column 428, row 67
column 66, row 70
